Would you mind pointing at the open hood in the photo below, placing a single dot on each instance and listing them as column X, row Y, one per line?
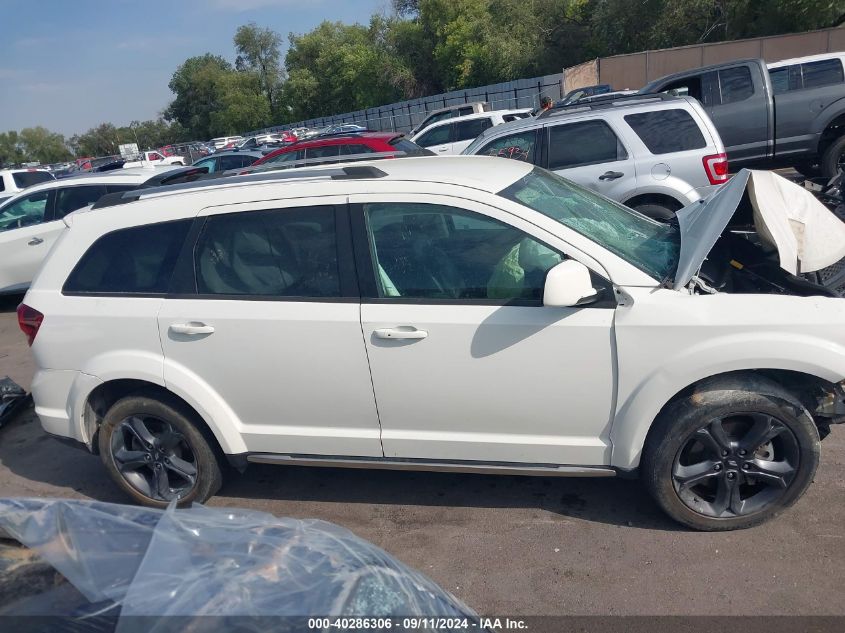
column 787, row 217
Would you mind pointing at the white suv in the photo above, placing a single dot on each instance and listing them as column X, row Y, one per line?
column 13, row 181
column 31, row 221
column 462, row 313
column 454, row 135
column 654, row 153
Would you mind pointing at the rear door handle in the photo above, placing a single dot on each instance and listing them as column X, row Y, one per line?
column 191, row 328
column 400, row 333
column 611, row 175
column 35, row 241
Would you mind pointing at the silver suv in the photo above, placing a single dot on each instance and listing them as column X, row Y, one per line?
column 655, row 153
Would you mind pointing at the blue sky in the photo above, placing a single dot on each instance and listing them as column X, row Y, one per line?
column 71, row 64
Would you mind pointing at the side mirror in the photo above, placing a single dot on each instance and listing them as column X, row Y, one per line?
column 567, row 285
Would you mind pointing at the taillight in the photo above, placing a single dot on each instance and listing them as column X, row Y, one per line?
column 29, row 320
column 716, row 168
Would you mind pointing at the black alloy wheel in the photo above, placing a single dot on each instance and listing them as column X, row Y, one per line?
column 736, row 465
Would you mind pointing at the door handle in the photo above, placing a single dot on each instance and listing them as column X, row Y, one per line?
column 611, row 175
column 191, row 328
column 400, row 333
column 442, row 149
column 35, row 241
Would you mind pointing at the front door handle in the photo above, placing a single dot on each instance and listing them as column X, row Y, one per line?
column 35, row 241
column 192, row 328
column 611, row 175
column 400, row 333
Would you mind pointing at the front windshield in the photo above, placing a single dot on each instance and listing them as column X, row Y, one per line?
column 650, row 246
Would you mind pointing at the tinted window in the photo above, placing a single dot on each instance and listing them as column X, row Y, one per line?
column 119, row 188
column 409, row 147
column 73, row 198
column 208, row 162
column 463, row 111
column 424, row 251
column 437, row 136
column 24, row 212
column 518, row 146
column 468, row 130
column 355, row 148
column 327, row 151
column 666, row 131
column 287, row 157
column 235, row 162
column 434, row 118
column 822, row 73
column 282, row 253
column 139, row 260
column 587, row 143
column 780, row 79
column 736, row 84
column 24, row 179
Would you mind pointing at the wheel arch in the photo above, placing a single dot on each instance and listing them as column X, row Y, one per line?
column 664, row 199
column 635, row 419
column 831, row 130
column 106, row 394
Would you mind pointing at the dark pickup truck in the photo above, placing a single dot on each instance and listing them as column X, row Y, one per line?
column 800, row 122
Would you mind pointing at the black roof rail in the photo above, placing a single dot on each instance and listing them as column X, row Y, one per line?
column 601, row 104
column 334, row 173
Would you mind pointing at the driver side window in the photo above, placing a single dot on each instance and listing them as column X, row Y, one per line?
column 436, row 252
column 27, row 211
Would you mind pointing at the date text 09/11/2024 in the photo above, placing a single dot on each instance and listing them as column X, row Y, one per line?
column 417, row 624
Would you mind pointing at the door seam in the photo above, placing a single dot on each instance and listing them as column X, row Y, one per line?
column 372, row 382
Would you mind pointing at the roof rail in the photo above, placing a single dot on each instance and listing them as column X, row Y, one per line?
column 333, row 173
column 601, row 104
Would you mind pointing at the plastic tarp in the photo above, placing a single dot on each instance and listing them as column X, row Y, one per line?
column 219, row 562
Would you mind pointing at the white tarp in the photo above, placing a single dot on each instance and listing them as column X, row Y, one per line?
column 787, row 217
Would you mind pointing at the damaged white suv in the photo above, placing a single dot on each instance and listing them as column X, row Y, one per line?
column 467, row 313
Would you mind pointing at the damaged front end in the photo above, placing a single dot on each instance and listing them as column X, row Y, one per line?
column 761, row 233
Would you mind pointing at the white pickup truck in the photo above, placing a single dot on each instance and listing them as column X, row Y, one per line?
column 154, row 158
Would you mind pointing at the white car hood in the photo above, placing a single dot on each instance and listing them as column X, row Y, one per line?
column 787, row 217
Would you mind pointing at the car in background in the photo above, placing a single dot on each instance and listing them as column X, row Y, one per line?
column 451, row 112
column 587, row 91
column 13, row 181
column 154, row 157
column 344, row 128
column 339, row 147
column 222, row 141
column 454, row 135
column 224, row 161
column 31, row 221
column 656, row 153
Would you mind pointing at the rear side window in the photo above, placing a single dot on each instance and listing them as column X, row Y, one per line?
column 235, row 162
column 667, row 131
column 72, row 198
column 735, row 84
column 139, row 260
column 402, row 144
column 587, row 143
column 822, row 73
column 24, row 179
column 277, row 253
column 519, row 146
column 355, row 148
column 780, row 79
column 288, row 157
column 468, row 130
column 326, row 151
column 464, row 111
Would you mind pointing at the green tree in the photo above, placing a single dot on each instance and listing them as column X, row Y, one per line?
column 11, row 152
column 241, row 105
column 197, row 96
column 259, row 52
column 101, row 140
column 42, row 145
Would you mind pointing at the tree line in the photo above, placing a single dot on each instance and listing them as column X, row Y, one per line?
column 421, row 47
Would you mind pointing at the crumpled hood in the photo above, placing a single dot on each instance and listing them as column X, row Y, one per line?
column 787, row 217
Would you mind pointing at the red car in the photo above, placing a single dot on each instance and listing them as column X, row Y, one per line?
column 341, row 145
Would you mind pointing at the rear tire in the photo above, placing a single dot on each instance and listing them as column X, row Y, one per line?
column 833, row 158
column 701, row 468
column 154, row 451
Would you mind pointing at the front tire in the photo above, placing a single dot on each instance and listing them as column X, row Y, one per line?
column 156, row 454
column 833, row 158
column 734, row 453
column 656, row 211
